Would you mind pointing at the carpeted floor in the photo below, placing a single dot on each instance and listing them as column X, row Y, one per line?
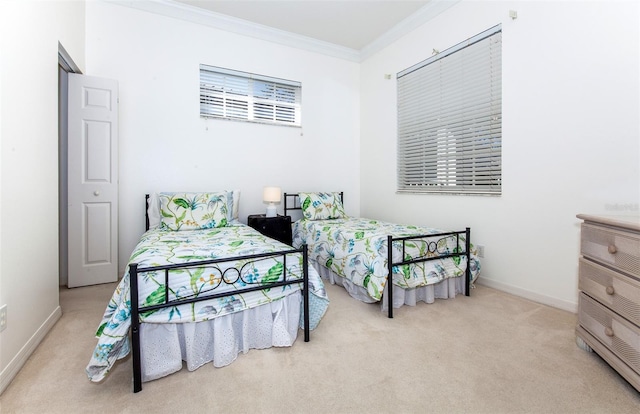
column 487, row 353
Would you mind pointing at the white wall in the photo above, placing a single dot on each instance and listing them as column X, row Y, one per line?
column 570, row 136
column 29, row 36
column 166, row 146
column 570, row 82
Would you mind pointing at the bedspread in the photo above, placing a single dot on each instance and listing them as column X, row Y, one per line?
column 356, row 248
column 161, row 247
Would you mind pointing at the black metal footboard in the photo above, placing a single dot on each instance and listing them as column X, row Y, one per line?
column 432, row 248
column 136, row 310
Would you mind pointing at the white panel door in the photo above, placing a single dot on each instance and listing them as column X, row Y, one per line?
column 92, row 180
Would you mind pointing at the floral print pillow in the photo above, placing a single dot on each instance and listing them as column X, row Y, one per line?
column 321, row 206
column 191, row 211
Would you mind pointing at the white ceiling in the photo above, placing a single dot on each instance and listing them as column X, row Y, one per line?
column 347, row 29
column 350, row 23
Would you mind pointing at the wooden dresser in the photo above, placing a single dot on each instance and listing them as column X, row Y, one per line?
column 609, row 297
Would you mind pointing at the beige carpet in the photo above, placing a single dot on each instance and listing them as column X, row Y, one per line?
column 488, row 353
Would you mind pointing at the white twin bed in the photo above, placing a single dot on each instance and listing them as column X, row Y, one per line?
column 426, row 263
column 207, row 288
column 201, row 287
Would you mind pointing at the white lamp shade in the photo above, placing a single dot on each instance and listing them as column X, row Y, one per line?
column 271, row 194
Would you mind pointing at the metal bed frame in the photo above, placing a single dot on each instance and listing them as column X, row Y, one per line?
column 136, row 309
column 432, row 248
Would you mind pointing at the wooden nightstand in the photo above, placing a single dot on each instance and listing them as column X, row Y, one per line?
column 278, row 227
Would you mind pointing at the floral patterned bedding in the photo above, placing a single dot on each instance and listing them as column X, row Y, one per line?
column 356, row 248
column 160, row 247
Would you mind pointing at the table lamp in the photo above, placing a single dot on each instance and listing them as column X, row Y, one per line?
column 271, row 195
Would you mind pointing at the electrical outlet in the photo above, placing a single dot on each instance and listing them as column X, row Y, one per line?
column 480, row 250
column 3, row 317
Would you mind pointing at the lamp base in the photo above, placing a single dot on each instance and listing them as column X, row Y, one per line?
column 271, row 211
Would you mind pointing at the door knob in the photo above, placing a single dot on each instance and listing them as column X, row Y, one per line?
column 96, row 193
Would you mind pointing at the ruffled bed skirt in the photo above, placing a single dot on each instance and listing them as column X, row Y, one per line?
column 165, row 346
column 446, row 289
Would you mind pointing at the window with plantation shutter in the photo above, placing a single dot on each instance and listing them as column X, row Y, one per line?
column 241, row 96
column 450, row 120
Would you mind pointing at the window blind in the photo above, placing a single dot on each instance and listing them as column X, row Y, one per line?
column 450, row 119
column 230, row 94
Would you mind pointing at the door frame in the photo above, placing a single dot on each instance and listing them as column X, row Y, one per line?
column 66, row 65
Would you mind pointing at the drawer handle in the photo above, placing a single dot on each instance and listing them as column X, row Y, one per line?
column 610, row 290
column 608, row 331
column 612, row 249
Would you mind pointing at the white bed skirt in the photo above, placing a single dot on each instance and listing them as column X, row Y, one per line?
column 446, row 289
column 165, row 346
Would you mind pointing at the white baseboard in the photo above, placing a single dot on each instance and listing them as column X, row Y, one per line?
column 9, row 373
column 532, row 296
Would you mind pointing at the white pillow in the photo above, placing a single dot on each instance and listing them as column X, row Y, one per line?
column 153, row 211
column 236, row 204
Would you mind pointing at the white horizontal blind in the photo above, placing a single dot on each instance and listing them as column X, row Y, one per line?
column 231, row 94
column 450, row 120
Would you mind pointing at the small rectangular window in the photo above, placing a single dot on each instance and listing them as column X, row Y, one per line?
column 450, row 120
column 242, row 96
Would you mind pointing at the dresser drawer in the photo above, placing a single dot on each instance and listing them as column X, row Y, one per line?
column 612, row 247
column 616, row 291
column 616, row 333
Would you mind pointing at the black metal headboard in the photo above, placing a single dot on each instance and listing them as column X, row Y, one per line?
column 292, row 199
column 146, row 212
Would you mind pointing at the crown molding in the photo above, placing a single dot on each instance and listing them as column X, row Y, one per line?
column 170, row 8
column 417, row 19
column 185, row 12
